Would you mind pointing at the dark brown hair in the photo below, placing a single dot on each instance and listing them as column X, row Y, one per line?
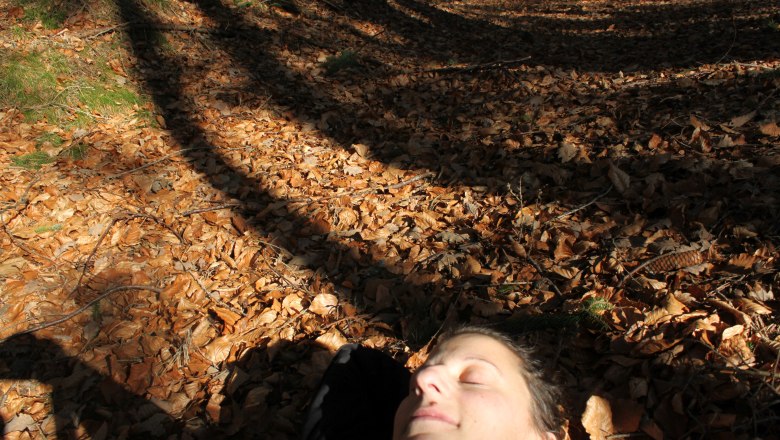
column 545, row 396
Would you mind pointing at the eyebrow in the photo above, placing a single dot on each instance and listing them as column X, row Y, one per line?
column 485, row 361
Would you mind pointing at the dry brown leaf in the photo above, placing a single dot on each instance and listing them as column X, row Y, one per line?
column 655, row 142
column 20, row 423
column 567, row 151
column 361, row 149
column 292, row 304
column 451, row 237
column 347, row 218
column 353, row 170
column 332, row 340
column 565, row 272
column 752, row 308
column 619, row 178
column 471, row 266
column 770, row 129
column 597, row 418
column 324, row 304
column 698, row 124
column 627, row 415
column 448, row 260
column 732, row 331
column 228, row 316
column 745, row 261
column 218, row 350
column 739, row 121
column 426, row 221
column 742, row 317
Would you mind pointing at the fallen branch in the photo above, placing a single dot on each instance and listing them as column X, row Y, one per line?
column 480, row 67
column 81, row 309
column 283, row 203
column 212, row 208
column 154, row 162
column 381, row 188
column 544, row 277
column 105, row 233
column 23, row 200
column 580, row 208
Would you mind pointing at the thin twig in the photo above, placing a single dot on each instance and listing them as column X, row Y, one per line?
column 82, row 309
column 278, row 274
column 541, row 273
column 23, row 200
column 283, row 203
column 580, row 208
column 752, row 372
column 154, row 162
column 212, row 208
column 105, row 233
column 381, row 188
column 215, row 296
column 26, row 248
column 480, row 67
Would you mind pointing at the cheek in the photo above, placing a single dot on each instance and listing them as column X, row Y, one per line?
column 487, row 408
column 494, row 416
column 402, row 416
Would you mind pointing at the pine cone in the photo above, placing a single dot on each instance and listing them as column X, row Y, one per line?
column 677, row 260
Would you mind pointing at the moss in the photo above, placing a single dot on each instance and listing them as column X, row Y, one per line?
column 32, row 161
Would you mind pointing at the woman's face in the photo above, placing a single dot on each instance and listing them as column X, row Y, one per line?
column 469, row 388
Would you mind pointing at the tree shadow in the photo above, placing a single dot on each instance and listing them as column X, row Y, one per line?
column 88, row 401
column 686, row 193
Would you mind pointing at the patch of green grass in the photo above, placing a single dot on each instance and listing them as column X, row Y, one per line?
column 107, row 100
column 19, row 32
column 77, row 152
column 347, row 59
column 96, row 312
column 48, row 85
column 147, row 116
column 52, row 139
column 48, row 228
column 592, row 309
column 32, row 161
column 29, row 82
column 51, row 13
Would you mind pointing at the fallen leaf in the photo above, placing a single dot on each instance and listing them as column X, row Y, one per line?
column 332, row 340
column 597, row 418
column 770, row 129
column 218, row 350
column 655, row 142
column 323, row 304
column 698, row 124
column 20, row 423
column 567, row 151
column 353, row 170
column 739, row 121
column 619, row 178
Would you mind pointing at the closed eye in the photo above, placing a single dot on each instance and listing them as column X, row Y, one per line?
column 473, row 376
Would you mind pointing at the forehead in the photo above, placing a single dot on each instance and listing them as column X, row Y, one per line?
column 474, row 345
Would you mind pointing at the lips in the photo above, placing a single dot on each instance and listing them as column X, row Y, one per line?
column 433, row 414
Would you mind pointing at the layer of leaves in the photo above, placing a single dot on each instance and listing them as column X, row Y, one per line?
column 597, row 178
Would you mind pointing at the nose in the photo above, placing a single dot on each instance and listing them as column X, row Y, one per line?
column 430, row 381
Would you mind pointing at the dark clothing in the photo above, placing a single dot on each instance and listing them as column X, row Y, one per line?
column 357, row 397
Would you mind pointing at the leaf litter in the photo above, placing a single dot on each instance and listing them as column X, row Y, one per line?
column 577, row 173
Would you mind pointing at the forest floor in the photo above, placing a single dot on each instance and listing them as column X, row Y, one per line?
column 254, row 183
